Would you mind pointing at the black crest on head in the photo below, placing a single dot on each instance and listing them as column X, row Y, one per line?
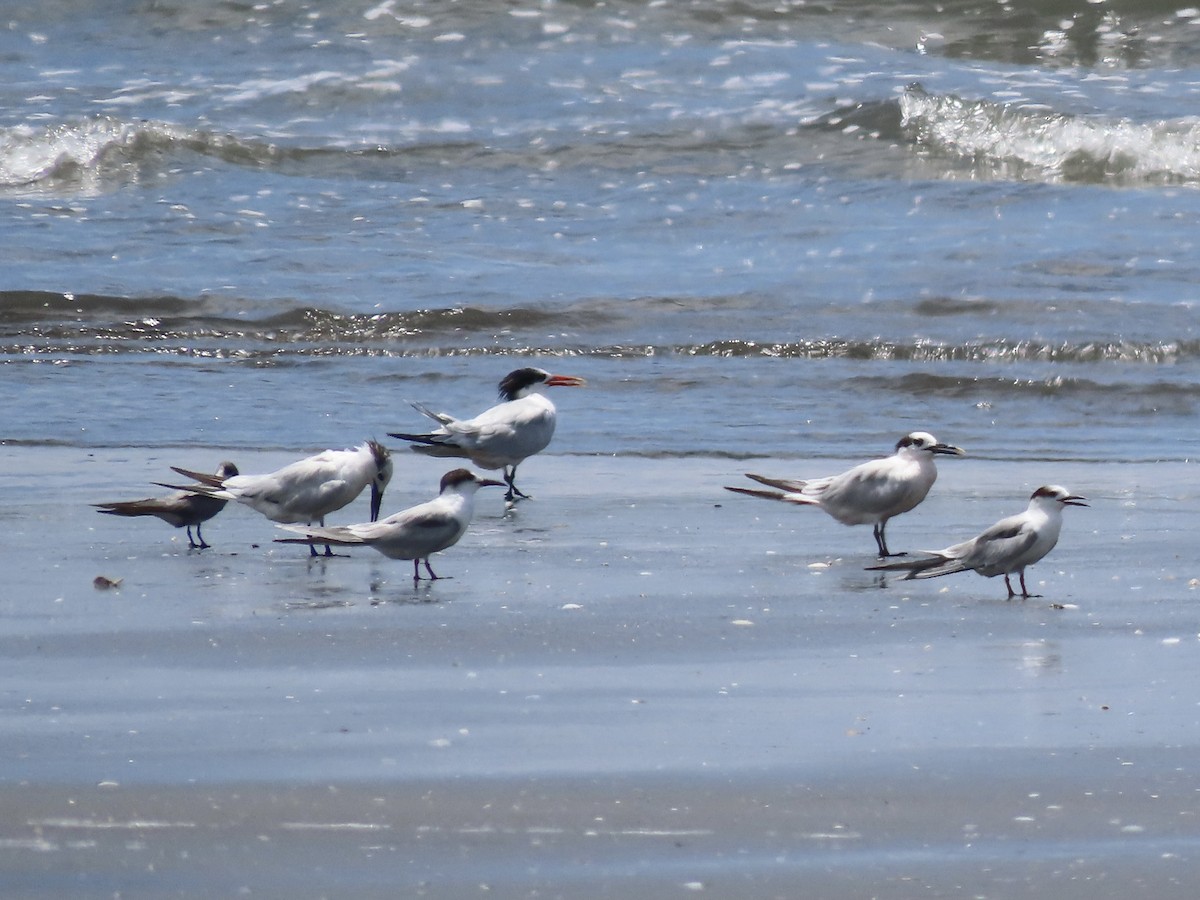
column 381, row 453
column 518, row 380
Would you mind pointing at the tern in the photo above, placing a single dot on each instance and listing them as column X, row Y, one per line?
column 869, row 494
column 415, row 533
column 503, row 436
column 307, row 490
column 183, row 509
column 1006, row 548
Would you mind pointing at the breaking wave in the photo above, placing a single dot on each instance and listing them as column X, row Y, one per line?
column 1026, row 143
column 99, row 154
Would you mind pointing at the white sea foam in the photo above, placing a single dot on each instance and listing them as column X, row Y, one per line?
column 1054, row 146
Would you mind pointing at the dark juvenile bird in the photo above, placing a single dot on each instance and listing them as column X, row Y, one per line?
column 868, row 494
column 1006, row 548
column 183, row 509
column 415, row 533
column 503, row 436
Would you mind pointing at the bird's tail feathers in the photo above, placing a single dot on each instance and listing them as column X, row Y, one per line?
column 315, row 539
column 316, row 535
column 774, row 495
column 441, row 418
column 928, row 567
column 205, row 478
column 947, row 567
column 432, row 445
column 203, row 490
column 784, row 484
column 415, row 438
column 125, row 508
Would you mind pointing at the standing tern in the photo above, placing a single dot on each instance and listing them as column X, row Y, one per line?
column 415, row 533
column 868, row 494
column 1004, row 549
column 503, row 436
column 183, row 509
column 307, row 490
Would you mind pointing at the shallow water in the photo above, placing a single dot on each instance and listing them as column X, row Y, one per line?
column 772, row 237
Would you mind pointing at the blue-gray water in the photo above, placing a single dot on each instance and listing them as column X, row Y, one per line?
column 787, row 231
column 763, row 229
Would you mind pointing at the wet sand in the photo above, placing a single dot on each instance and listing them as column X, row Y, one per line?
column 634, row 685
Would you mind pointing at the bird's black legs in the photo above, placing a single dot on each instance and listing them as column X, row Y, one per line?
column 433, row 576
column 312, row 548
column 199, row 543
column 881, row 541
column 510, row 474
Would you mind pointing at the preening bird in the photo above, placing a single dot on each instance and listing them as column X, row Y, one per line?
column 415, row 533
column 1006, row 548
column 182, row 509
column 307, row 490
column 868, row 494
column 503, row 436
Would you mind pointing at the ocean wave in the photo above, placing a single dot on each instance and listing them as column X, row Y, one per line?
column 98, row 154
column 1026, row 143
column 101, row 154
column 115, row 320
column 925, row 384
column 41, row 323
column 950, row 135
column 1152, row 352
column 92, row 154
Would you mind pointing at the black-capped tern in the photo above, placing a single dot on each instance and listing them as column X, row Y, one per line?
column 182, row 509
column 415, row 533
column 1006, row 548
column 503, row 436
column 307, row 490
column 869, row 494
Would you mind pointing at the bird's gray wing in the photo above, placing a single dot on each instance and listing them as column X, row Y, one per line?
column 996, row 550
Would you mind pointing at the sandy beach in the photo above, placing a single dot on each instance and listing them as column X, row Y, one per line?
column 636, row 684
